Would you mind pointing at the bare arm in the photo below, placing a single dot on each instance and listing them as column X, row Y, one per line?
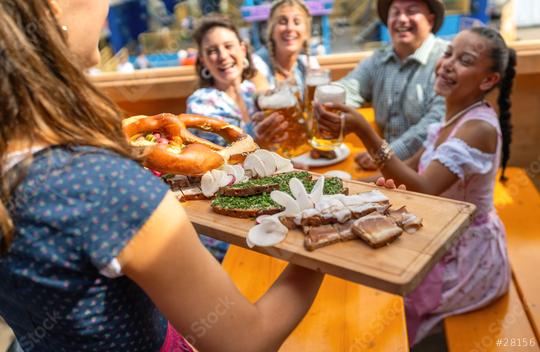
column 437, row 177
column 167, row 260
column 414, row 160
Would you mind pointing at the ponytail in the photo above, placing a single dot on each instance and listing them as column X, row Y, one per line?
column 504, row 62
column 505, row 103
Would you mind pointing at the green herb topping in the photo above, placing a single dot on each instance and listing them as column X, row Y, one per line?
column 332, row 185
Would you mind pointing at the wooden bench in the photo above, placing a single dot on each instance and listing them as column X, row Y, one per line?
column 517, row 314
column 344, row 316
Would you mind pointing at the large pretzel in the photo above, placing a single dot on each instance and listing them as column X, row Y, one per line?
column 178, row 151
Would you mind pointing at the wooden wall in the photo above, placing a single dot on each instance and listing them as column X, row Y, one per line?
column 153, row 91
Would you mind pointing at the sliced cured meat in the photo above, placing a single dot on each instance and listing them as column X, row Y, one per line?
column 376, row 230
column 407, row 221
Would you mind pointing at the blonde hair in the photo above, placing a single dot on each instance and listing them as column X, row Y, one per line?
column 45, row 96
column 273, row 20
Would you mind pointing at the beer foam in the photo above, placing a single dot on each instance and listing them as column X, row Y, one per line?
column 329, row 93
column 278, row 100
column 317, row 80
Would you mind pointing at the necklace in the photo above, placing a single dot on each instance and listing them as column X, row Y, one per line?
column 452, row 119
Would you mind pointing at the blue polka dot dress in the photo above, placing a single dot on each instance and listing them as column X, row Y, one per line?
column 74, row 212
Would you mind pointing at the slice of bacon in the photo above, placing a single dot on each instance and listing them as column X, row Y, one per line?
column 320, row 236
column 407, row 221
column 376, row 230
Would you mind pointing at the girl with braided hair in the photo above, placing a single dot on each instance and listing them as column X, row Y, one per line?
column 459, row 160
column 286, row 56
column 285, row 59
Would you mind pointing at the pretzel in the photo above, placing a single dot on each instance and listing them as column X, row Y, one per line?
column 178, row 151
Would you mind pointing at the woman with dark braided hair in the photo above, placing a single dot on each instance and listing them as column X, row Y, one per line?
column 459, row 160
column 96, row 254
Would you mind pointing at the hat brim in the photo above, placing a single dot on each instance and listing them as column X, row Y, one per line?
column 436, row 7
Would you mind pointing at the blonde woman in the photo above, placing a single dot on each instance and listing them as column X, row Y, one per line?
column 285, row 59
column 286, row 55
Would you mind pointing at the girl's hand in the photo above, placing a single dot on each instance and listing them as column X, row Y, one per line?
column 365, row 161
column 388, row 183
column 269, row 130
column 329, row 117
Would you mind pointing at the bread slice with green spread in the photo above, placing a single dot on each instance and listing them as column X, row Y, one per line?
column 248, row 205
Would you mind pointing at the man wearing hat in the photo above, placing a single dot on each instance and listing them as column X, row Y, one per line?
column 398, row 80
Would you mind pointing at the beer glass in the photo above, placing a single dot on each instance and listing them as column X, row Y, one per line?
column 328, row 93
column 283, row 101
column 314, row 78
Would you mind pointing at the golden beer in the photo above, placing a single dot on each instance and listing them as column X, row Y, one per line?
column 324, row 140
column 314, row 78
column 284, row 102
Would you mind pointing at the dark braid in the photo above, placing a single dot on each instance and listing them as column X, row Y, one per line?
column 504, row 109
column 504, row 62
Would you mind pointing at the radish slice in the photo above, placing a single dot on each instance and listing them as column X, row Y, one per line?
column 300, row 194
column 268, row 233
column 259, row 166
column 268, row 161
column 208, row 184
column 317, row 191
column 240, row 173
column 282, row 164
column 262, row 218
column 221, row 178
column 255, row 165
column 286, row 168
column 285, row 200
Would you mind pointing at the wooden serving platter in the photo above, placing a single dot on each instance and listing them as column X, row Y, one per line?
column 396, row 268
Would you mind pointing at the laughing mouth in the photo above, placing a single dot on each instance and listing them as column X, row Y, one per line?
column 289, row 37
column 226, row 67
column 403, row 29
column 446, row 80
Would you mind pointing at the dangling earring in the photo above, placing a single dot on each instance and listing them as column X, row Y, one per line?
column 64, row 28
column 246, row 63
column 205, row 73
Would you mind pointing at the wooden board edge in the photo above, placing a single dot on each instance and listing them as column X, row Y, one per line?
column 463, row 221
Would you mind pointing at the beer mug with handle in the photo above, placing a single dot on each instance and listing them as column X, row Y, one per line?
column 282, row 100
column 328, row 93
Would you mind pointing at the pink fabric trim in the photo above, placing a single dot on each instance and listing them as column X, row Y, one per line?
column 174, row 342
